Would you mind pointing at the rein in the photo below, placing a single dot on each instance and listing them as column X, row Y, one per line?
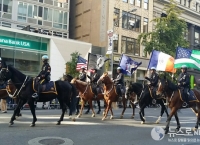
column 16, row 93
column 85, row 90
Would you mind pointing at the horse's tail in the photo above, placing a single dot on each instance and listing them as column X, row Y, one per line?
column 73, row 99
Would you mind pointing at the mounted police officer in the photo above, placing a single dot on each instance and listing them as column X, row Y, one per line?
column 153, row 80
column 184, row 83
column 96, row 89
column 119, row 82
column 2, row 84
column 44, row 76
column 82, row 75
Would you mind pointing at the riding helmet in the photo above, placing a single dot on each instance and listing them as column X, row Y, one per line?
column 45, row 57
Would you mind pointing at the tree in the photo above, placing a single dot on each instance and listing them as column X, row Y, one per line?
column 71, row 65
column 168, row 32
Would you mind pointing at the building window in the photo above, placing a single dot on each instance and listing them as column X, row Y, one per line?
column 30, row 10
column 41, row 1
column 125, row 1
column 184, row 2
column 196, row 34
column 116, row 17
column 144, row 54
column 138, row 3
column 50, row 15
column 35, row 12
column 45, row 13
column 131, row 21
column 145, row 25
column 130, row 46
column 40, row 12
column 115, row 43
column 146, row 3
column 132, row 2
column 0, row 5
column 7, row 6
column 22, row 9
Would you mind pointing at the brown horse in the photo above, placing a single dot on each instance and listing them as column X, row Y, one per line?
column 175, row 101
column 86, row 94
column 110, row 95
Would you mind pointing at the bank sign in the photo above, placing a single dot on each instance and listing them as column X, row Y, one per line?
column 22, row 43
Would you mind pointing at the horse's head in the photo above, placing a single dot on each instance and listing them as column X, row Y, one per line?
column 129, row 89
column 5, row 74
column 104, row 79
column 162, row 86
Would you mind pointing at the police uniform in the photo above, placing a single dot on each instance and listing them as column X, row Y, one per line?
column 2, row 84
column 119, row 81
column 45, row 73
column 82, row 76
column 184, row 82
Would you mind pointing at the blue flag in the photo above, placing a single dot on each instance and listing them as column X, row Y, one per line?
column 128, row 65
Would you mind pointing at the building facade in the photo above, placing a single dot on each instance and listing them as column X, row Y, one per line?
column 191, row 14
column 32, row 28
column 90, row 20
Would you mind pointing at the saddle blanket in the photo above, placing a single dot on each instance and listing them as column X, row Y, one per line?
column 191, row 96
column 46, row 88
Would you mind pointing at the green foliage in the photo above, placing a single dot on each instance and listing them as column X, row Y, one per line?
column 71, row 65
column 168, row 32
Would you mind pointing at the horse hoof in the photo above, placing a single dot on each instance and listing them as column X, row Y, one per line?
column 58, row 123
column 194, row 129
column 70, row 117
column 111, row 117
column 93, row 115
column 142, row 122
column 32, row 125
column 78, row 116
column 133, row 117
column 74, row 119
column 103, row 118
column 121, row 117
column 11, row 123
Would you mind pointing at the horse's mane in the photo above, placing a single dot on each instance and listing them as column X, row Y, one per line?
column 172, row 86
column 137, row 87
column 16, row 72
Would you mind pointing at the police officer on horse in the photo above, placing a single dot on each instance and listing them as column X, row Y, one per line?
column 82, row 75
column 44, row 76
column 153, row 81
column 184, row 83
column 119, row 81
column 2, row 84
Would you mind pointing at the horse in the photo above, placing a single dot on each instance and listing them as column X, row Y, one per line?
column 175, row 101
column 86, row 94
column 110, row 94
column 10, row 91
column 63, row 91
column 145, row 99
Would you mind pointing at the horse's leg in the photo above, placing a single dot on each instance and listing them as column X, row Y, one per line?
column 90, row 106
column 108, row 103
column 177, row 121
column 82, row 106
column 32, row 107
column 98, row 102
column 63, row 106
column 133, row 106
column 163, row 109
column 17, row 109
column 111, row 111
column 88, row 110
column 198, row 118
column 124, row 101
column 173, row 112
column 141, row 112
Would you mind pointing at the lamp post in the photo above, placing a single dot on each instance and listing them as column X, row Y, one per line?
column 115, row 21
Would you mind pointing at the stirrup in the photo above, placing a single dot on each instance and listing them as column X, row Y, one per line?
column 35, row 95
column 184, row 104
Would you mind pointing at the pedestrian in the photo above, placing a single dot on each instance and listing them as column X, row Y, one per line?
column 3, row 106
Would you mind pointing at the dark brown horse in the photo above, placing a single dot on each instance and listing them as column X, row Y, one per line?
column 86, row 94
column 175, row 101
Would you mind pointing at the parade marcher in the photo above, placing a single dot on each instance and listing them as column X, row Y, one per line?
column 153, row 80
column 184, row 83
column 96, row 89
column 119, row 81
column 44, row 76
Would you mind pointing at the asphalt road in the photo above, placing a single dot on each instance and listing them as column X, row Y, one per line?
column 92, row 131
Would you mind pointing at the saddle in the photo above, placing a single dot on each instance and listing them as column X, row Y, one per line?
column 49, row 87
column 152, row 91
column 96, row 89
column 190, row 94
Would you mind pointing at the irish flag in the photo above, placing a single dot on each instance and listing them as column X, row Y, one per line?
column 188, row 57
column 162, row 62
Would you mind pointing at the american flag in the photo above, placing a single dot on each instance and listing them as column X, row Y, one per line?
column 81, row 62
column 183, row 53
